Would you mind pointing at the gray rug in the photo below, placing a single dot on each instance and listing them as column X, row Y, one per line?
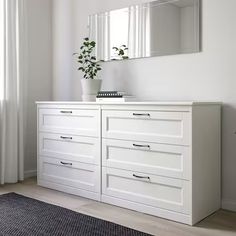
column 24, row 216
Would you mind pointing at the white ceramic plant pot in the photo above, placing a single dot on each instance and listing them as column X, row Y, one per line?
column 90, row 87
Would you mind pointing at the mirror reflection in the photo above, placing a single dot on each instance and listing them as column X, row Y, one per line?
column 156, row 28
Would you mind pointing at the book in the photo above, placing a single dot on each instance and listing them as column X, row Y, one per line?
column 104, row 92
column 110, row 94
column 116, row 99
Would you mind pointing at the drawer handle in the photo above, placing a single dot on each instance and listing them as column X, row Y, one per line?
column 141, row 177
column 141, row 146
column 63, row 137
column 141, row 114
column 66, row 112
column 66, row 163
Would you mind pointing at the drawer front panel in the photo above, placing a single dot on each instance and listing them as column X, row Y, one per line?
column 157, row 159
column 161, row 192
column 150, row 126
column 77, row 148
column 70, row 173
column 69, row 121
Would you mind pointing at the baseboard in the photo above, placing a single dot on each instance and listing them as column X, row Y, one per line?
column 30, row 173
column 229, row 205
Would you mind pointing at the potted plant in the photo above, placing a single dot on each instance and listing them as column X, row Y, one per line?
column 90, row 68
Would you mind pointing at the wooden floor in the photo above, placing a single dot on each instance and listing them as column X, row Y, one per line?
column 222, row 223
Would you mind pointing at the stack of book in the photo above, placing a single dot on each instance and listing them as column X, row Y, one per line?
column 113, row 96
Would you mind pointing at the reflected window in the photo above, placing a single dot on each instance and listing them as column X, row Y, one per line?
column 119, row 30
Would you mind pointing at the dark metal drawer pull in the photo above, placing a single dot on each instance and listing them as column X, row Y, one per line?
column 66, row 112
column 141, row 177
column 141, row 114
column 142, row 146
column 63, row 137
column 65, row 163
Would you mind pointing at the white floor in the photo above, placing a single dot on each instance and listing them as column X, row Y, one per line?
column 222, row 223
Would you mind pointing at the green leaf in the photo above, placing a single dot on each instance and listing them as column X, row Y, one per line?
column 86, row 39
column 125, row 57
column 93, row 44
column 122, row 52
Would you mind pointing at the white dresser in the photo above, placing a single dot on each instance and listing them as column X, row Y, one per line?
column 160, row 158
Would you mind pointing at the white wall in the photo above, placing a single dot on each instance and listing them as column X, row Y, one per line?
column 62, row 49
column 208, row 75
column 40, row 71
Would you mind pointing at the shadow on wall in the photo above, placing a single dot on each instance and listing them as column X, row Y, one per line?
column 117, row 75
column 228, row 147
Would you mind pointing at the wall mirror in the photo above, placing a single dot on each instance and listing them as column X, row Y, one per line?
column 163, row 27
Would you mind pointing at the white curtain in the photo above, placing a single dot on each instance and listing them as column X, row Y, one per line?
column 12, row 90
column 139, row 31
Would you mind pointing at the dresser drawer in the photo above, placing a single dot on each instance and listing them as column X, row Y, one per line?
column 70, row 173
column 156, row 191
column 149, row 126
column 161, row 192
column 69, row 121
column 69, row 147
column 158, row 159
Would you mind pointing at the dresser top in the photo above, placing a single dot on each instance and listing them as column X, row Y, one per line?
column 155, row 103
